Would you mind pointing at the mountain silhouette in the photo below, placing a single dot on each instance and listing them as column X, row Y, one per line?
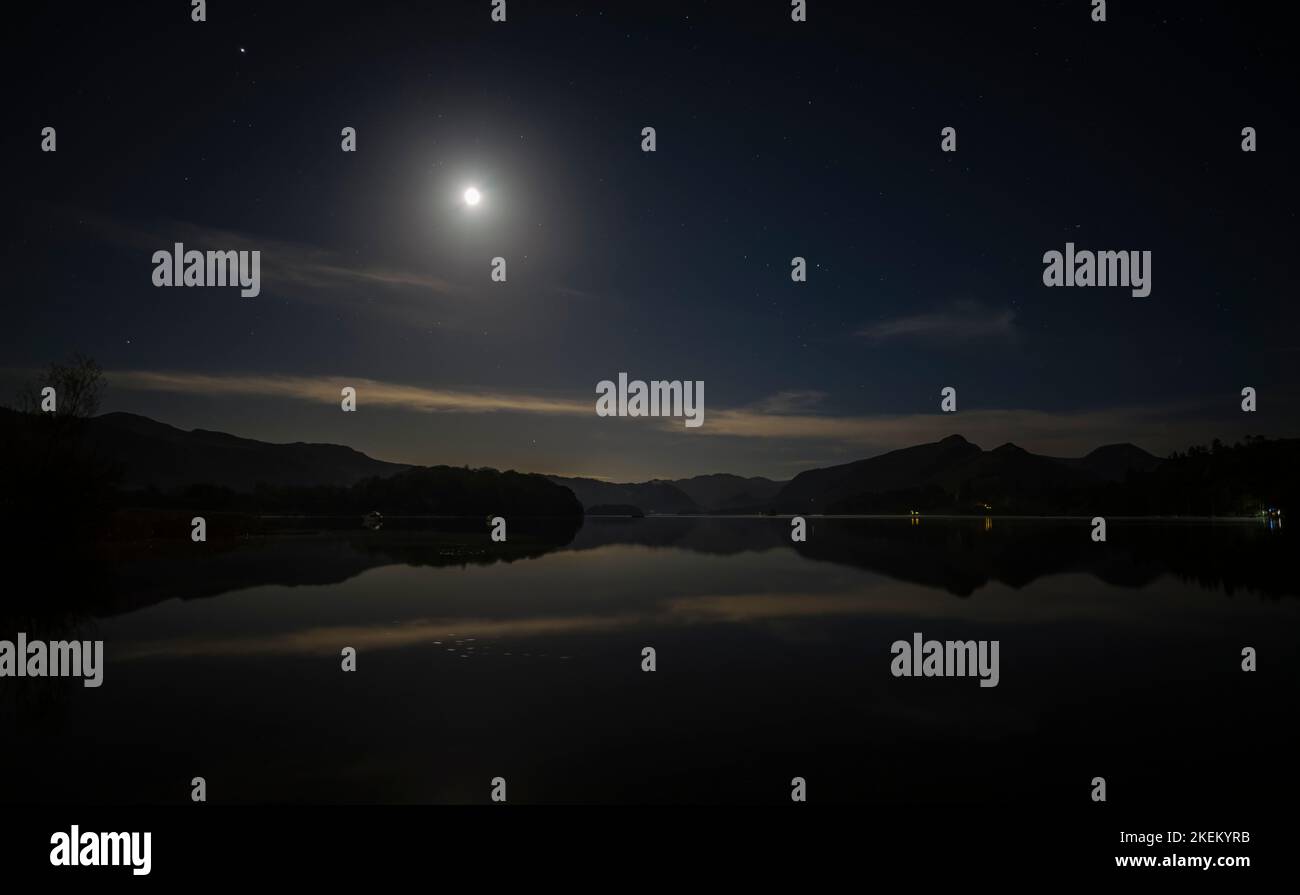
column 151, row 454
column 954, row 474
column 121, row 460
column 723, row 492
column 1113, row 462
column 902, row 470
column 154, row 464
column 651, row 497
column 717, row 493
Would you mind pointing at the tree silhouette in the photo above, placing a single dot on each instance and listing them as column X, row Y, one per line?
column 56, row 489
column 78, row 388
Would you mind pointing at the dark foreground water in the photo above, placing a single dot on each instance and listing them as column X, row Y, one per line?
column 478, row 660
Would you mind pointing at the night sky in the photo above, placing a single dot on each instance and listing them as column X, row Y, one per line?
column 775, row 139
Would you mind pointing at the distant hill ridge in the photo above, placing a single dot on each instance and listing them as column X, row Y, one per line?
column 955, row 474
column 949, row 472
column 950, row 475
column 154, row 454
column 125, row 460
column 719, row 492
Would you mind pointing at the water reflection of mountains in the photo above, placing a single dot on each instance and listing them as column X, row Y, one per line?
column 959, row 556
column 962, row 555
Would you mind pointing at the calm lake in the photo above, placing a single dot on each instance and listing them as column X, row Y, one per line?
column 523, row 660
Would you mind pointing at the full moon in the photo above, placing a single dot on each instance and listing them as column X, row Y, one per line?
column 472, row 196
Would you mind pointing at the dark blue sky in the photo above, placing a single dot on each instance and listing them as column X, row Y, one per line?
column 775, row 139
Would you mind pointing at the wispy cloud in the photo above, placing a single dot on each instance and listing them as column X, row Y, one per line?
column 325, row 389
column 790, row 401
column 959, row 321
column 305, row 271
column 778, row 417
